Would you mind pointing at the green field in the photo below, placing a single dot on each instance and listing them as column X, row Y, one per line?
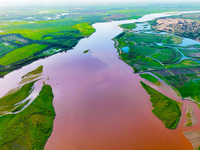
column 166, row 109
column 144, row 52
column 85, row 29
column 150, row 78
column 20, row 54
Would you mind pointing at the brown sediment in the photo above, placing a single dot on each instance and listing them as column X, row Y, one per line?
column 178, row 26
column 116, row 45
column 30, row 78
column 194, row 138
column 36, row 72
column 13, row 90
column 165, row 89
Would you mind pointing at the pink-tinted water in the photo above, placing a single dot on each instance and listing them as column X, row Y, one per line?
column 99, row 102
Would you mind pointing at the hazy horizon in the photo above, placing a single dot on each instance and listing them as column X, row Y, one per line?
column 21, row 2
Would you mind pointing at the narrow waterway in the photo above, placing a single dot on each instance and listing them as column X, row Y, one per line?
column 99, row 102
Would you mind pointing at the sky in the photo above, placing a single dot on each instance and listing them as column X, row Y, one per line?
column 86, row 2
column 90, row 1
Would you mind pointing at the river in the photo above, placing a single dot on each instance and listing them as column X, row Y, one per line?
column 99, row 102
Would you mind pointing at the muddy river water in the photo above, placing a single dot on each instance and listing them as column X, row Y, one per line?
column 99, row 102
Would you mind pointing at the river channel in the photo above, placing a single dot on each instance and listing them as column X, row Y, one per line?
column 99, row 101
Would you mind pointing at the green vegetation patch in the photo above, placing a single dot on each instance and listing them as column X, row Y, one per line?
column 34, row 72
column 190, row 90
column 5, row 48
column 193, row 52
column 129, row 26
column 167, row 55
column 122, row 11
column 145, row 53
column 86, row 51
column 187, row 63
column 30, row 128
column 171, row 39
column 31, row 78
column 186, row 80
column 150, row 78
column 38, row 29
column 85, row 29
column 8, row 102
column 146, row 64
column 166, row 109
column 20, row 54
column 189, row 120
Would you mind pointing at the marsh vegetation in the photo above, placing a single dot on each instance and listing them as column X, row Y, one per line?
column 26, row 121
column 159, row 55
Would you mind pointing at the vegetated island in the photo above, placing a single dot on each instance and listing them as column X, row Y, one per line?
column 191, row 117
column 26, row 123
column 166, row 109
column 128, row 26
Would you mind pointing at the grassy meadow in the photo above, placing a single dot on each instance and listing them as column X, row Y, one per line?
column 166, row 109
